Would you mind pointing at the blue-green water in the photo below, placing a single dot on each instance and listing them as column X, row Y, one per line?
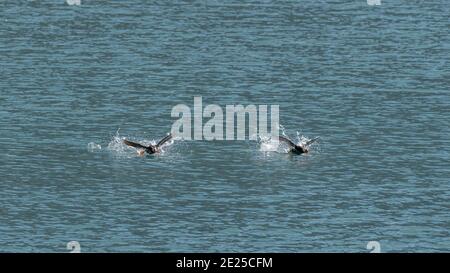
column 372, row 81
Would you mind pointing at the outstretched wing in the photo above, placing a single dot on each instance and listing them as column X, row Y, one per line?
column 287, row 140
column 312, row 141
column 164, row 140
column 133, row 144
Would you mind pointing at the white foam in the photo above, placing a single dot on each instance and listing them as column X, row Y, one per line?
column 73, row 2
column 116, row 144
column 267, row 144
column 92, row 147
column 270, row 145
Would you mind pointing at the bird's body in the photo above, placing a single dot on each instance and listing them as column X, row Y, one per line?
column 151, row 149
column 298, row 148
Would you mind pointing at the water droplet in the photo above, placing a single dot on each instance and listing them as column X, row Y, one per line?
column 92, row 147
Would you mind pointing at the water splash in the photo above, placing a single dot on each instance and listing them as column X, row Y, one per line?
column 268, row 144
column 92, row 147
column 117, row 146
column 73, row 2
column 303, row 140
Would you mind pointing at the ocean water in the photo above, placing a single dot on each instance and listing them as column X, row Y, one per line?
column 372, row 81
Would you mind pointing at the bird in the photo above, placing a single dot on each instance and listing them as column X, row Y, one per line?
column 151, row 149
column 298, row 148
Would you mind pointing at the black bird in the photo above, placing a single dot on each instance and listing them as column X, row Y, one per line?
column 297, row 149
column 151, row 149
